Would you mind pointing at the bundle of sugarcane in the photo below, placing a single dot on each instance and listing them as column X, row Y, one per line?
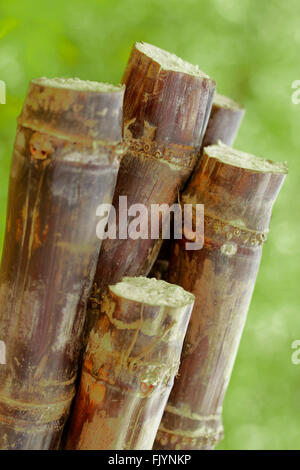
column 65, row 163
column 64, row 167
column 238, row 191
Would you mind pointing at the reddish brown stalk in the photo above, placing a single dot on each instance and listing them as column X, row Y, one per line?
column 224, row 122
column 166, row 107
column 65, row 164
column 238, row 192
column 131, row 360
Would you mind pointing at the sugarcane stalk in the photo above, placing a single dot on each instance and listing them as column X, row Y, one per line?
column 166, row 108
column 65, row 163
column 129, row 366
column 224, row 122
column 238, row 191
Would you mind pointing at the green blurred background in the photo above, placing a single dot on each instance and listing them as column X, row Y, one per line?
column 251, row 48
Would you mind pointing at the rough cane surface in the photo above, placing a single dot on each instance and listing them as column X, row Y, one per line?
column 60, row 174
column 129, row 367
column 238, row 191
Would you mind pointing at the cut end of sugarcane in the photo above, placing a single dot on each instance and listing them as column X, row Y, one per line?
column 151, row 291
column 224, row 102
column 169, row 61
column 240, row 159
column 78, row 84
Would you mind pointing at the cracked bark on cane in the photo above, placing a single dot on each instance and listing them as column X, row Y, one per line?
column 129, row 366
column 166, row 108
column 224, row 122
column 64, row 165
column 238, row 191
